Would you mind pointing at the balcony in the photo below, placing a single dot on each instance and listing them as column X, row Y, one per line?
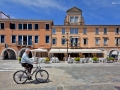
column 74, row 23
column 24, row 43
column 74, row 45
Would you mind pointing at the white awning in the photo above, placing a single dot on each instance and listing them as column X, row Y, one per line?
column 91, row 51
column 64, row 51
column 76, row 51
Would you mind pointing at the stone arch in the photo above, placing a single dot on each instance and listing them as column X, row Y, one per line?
column 115, row 53
column 8, row 53
column 20, row 53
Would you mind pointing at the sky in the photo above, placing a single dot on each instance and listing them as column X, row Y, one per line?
column 100, row 12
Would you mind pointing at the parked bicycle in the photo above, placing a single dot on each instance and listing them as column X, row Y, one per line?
column 20, row 77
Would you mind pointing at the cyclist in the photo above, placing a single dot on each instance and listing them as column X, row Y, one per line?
column 27, row 63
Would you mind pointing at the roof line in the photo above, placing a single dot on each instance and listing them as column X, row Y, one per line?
column 89, row 25
column 24, row 20
column 5, row 14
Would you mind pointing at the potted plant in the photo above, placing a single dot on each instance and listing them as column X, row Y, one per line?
column 95, row 60
column 110, row 59
column 47, row 60
column 19, row 58
column 74, row 43
column 77, row 60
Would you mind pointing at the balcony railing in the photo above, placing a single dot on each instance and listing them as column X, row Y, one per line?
column 24, row 43
column 74, row 44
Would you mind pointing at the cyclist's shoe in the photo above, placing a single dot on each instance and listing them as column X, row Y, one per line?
column 30, row 78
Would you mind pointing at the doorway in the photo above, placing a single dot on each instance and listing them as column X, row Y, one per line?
column 24, row 40
column 59, row 55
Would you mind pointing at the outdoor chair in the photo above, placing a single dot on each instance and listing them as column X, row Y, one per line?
column 90, row 59
column 87, row 60
column 53, row 60
column 83, row 60
column 70, row 60
column 41, row 60
column 56, row 60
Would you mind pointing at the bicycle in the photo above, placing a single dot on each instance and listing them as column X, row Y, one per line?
column 23, row 77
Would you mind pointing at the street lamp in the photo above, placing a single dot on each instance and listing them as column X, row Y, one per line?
column 67, row 43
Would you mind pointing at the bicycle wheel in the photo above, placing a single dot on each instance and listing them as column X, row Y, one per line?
column 20, row 77
column 42, row 76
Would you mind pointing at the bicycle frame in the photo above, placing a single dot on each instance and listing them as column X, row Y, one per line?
column 37, row 68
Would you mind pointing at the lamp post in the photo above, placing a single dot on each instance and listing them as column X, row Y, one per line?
column 67, row 43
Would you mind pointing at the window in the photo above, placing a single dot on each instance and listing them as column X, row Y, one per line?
column 20, row 42
column 97, row 31
column 73, row 30
column 36, row 26
column 76, row 30
column 47, row 39
column 105, row 30
column 30, row 26
column 54, row 41
column 36, row 39
column 74, row 19
column 85, row 41
column 12, row 25
column 84, row 31
column 2, row 39
column 116, row 41
column 53, row 31
column 13, row 38
column 63, row 30
column 105, row 41
column 24, row 26
column 71, row 19
column 29, row 40
column 97, row 41
column 1, row 25
column 47, row 26
column 20, row 26
column 63, row 41
column 117, row 30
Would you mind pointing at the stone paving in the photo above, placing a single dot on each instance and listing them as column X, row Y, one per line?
column 63, row 76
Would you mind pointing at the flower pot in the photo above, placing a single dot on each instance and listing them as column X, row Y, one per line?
column 109, row 61
column 95, row 61
column 47, row 62
column 76, row 61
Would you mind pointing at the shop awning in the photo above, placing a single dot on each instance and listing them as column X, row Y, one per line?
column 64, row 51
column 91, row 51
column 75, row 51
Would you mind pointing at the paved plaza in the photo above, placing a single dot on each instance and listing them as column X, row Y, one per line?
column 63, row 76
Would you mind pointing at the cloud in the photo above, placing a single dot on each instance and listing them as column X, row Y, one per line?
column 95, row 4
column 44, row 4
column 115, row 2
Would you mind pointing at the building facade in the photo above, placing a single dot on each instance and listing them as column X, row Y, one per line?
column 83, row 36
column 20, row 34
